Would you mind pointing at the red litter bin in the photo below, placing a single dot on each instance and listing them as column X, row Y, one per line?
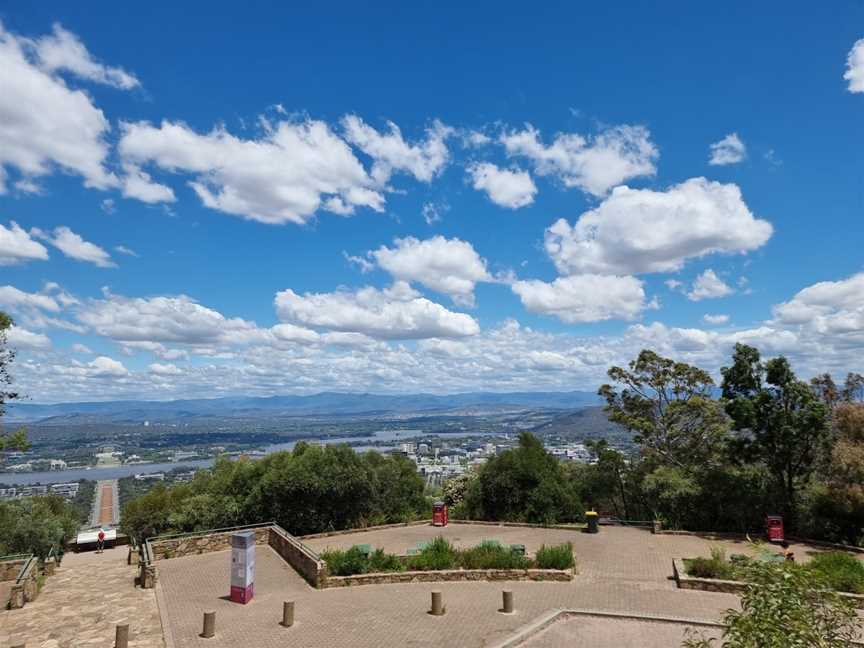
column 774, row 528
column 439, row 514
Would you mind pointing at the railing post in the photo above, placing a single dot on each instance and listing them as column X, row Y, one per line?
column 121, row 636
column 209, row 629
column 287, row 614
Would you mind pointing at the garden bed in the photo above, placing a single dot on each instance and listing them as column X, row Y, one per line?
column 439, row 560
column 841, row 572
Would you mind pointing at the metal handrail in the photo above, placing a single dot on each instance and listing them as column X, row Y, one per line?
column 25, row 568
column 14, row 557
column 190, row 534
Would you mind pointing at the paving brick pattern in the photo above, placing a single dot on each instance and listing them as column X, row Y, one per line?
column 623, row 570
column 612, row 633
column 81, row 604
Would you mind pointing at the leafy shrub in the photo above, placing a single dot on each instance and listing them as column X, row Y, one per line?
column 346, row 563
column 714, row 567
column 491, row 555
column 555, row 556
column 841, row 571
column 438, row 554
column 384, row 562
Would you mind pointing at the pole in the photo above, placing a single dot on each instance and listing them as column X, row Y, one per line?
column 209, row 625
column 287, row 614
column 438, row 608
column 121, row 636
column 507, row 607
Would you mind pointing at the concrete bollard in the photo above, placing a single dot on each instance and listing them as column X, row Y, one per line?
column 121, row 636
column 438, row 608
column 209, row 625
column 287, row 614
column 507, row 604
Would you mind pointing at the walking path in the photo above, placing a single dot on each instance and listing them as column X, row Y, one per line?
column 81, row 604
column 106, row 504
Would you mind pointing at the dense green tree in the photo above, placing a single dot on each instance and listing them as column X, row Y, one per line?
column 782, row 422
column 15, row 440
column 525, row 484
column 667, row 405
column 35, row 525
column 308, row 490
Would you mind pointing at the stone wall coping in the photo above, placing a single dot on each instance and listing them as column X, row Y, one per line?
column 450, row 575
column 684, row 581
column 530, row 525
column 377, row 527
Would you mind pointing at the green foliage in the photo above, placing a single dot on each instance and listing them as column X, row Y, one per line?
column 352, row 561
column 456, row 489
column 524, row 484
column 384, row 562
column 555, row 556
column 714, row 567
column 36, row 525
column 492, row 555
column 16, row 440
column 785, row 607
column 438, row 554
column 840, row 571
column 667, row 406
column 786, row 422
column 308, row 490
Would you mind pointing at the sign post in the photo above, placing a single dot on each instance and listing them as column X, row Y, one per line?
column 242, row 566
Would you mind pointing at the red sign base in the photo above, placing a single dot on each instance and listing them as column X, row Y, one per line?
column 242, row 594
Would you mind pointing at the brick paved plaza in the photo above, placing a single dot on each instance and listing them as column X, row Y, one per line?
column 620, row 569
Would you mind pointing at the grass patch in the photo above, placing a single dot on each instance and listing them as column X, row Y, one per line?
column 841, row 571
column 491, row 555
column 555, row 556
column 437, row 555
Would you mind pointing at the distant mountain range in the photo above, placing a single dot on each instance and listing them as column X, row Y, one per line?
column 323, row 404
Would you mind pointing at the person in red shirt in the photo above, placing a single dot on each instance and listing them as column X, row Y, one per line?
column 100, row 541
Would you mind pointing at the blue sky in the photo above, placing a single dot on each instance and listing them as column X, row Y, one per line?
column 221, row 199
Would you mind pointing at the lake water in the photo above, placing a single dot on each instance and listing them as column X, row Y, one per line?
column 359, row 443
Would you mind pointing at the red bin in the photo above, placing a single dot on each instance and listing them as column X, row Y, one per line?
column 774, row 528
column 439, row 514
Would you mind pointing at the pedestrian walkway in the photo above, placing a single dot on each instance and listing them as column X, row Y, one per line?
column 620, row 570
column 81, row 604
column 106, row 511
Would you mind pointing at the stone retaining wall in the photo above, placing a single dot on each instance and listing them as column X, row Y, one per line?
column 679, row 571
column 199, row 544
column 26, row 589
column 9, row 569
column 305, row 561
column 451, row 575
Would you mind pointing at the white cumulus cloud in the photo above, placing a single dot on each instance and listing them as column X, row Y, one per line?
column 20, row 338
column 75, row 247
column 729, row 150
column 584, row 298
column 45, row 124
column 398, row 312
column 855, row 67
column 594, row 164
column 709, row 286
column 448, row 266
column 715, row 319
column 17, row 245
column 289, row 173
column 511, row 188
column 63, row 51
column 642, row 230
column 390, row 152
